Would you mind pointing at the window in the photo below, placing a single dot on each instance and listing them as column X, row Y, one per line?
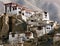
column 51, row 25
column 22, row 13
column 13, row 35
column 14, row 8
column 46, row 16
column 45, row 12
column 48, row 28
column 39, row 27
column 19, row 12
column 32, row 20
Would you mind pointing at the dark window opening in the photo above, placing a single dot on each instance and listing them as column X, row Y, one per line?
column 48, row 28
column 14, row 8
column 22, row 13
column 1, row 23
column 45, row 12
column 45, row 16
column 39, row 27
column 13, row 34
column 51, row 25
column 32, row 20
column 5, row 8
column 19, row 12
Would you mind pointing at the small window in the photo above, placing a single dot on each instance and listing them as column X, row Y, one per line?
column 13, row 35
column 48, row 28
column 51, row 25
column 19, row 12
column 14, row 8
column 39, row 28
column 22, row 13
column 45, row 16
column 32, row 20
column 45, row 12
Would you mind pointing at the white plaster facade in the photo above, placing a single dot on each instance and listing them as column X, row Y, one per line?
column 38, row 20
column 31, row 18
column 46, row 16
column 16, row 11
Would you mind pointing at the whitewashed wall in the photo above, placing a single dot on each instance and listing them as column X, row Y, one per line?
column 46, row 18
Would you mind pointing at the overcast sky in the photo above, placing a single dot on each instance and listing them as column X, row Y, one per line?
column 52, row 6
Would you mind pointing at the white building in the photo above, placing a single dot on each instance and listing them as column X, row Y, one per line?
column 41, row 22
column 30, row 16
column 13, row 8
column 26, row 13
column 46, row 16
column 48, row 28
column 16, row 38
